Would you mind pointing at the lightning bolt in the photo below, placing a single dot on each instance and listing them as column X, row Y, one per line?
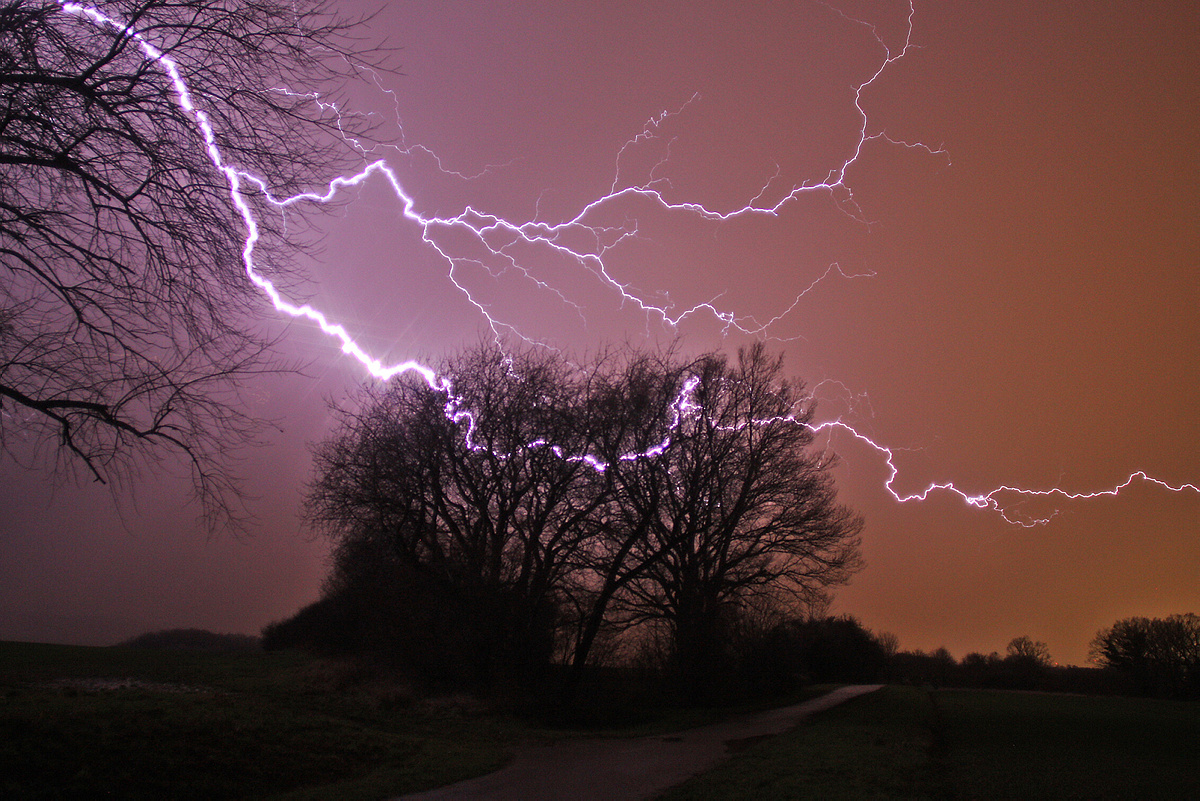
column 499, row 236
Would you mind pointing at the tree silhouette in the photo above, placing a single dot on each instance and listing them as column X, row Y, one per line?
column 127, row 322
column 463, row 507
column 637, row 488
column 1160, row 655
column 1026, row 649
column 738, row 505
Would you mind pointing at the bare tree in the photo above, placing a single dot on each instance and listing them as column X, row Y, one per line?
column 127, row 321
column 1026, row 649
column 738, row 506
column 640, row 488
column 473, row 493
column 730, row 509
column 637, row 402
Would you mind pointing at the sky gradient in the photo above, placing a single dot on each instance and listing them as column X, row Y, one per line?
column 1011, row 299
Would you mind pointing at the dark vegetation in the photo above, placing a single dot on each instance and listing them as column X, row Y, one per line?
column 506, row 535
column 913, row 742
column 152, row 723
column 1156, row 657
column 993, row 671
column 541, row 522
column 195, row 640
column 478, row 547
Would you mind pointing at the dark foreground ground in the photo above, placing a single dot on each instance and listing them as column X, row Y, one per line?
column 130, row 723
column 89, row 722
column 135, row 724
column 905, row 742
column 631, row 768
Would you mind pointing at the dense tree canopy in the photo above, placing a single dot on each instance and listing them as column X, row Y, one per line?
column 1160, row 655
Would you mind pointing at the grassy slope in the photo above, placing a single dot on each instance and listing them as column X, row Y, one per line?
column 260, row 725
column 908, row 743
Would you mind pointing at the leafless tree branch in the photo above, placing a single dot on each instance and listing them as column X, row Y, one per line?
column 128, row 326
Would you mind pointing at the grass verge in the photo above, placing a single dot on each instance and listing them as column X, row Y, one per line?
column 904, row 742
column 872, row 746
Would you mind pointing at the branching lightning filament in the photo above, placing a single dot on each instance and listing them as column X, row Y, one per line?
column 497, row 235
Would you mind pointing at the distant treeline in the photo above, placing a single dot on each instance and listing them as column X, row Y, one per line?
column 194, row 640
column 1158, row 657
column 1009, row 672
column 760, row 661
column 1135, row 656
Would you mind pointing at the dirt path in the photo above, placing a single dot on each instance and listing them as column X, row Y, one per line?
column 617, row 769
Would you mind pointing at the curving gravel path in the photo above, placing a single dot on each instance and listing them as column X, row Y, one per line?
column 639, row 768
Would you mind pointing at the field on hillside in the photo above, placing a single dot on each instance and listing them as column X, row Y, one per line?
column 81, row 722
column 904, row 742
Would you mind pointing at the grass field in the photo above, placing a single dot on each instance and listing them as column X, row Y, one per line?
column 128, row 723
column 905, row 742
column 224, row 726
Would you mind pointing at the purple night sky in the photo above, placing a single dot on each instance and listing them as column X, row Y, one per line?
column 1015, row 302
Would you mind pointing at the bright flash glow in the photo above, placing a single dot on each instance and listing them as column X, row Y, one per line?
column 497, row 235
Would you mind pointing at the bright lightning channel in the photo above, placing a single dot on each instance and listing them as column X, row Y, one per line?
column 487, row 228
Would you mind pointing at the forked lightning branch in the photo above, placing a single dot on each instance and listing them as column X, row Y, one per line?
column 497, row 234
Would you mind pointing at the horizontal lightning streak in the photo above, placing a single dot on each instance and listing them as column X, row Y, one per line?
column 988, row 500
column 487, row 228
